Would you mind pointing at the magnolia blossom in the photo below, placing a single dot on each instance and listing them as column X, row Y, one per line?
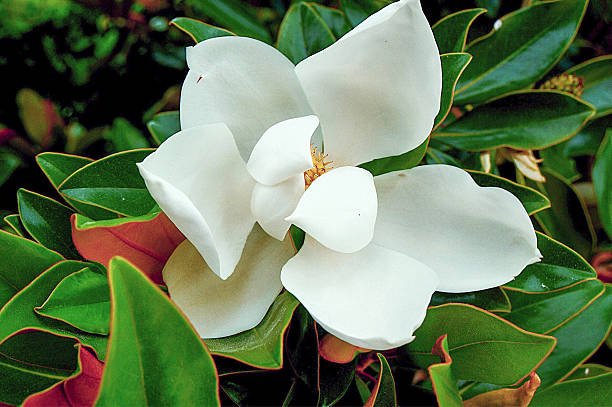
column 247, row 164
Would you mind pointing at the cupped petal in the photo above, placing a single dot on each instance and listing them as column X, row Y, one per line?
column 200, row 181
column 339, row 209
column 376, row 90
column 283, row 151
column 243, row 83
column 219, row 308
column 272, row 204
column 473, row 237
column 374, row 298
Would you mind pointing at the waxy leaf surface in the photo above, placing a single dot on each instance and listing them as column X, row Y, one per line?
column 596, row 75
column 451, row 31
column 198, row 31
column 163, row 125
column 602, row 181
column 442, row 377
column 383, row 393
column 14, row 221
column 592, row 392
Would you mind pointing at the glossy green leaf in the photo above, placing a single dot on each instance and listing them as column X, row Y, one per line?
column 524, row 120
column 588, row 139
column 14, row 221
column 524, row 47
column 302, row 348
column 164, row 125
column 124, row 136
column 602, row 181
column 383, row 394
column 442, row 377
column 22, row 261
column 592, row 392
column 532, row 200
column 335, row 19
column 8, row 164
column 197, row 30
column 57, row 167
column 543, row 312
column 588, row 370
column 597, row 77
column 112, row 183
column 18, row 313
column 235, row 15
column 493, row 299
column 358, row 10
column 396, row 163
column 559, row 268
column 154, row 357
column 334, row 381
column 453, row 66
column 451, row 31
column 554, row 158
column 48, row 222
column 261, row 346
column 577, row 340
column 483, row 346
column 303, row 33
column 567, row 220
column 81, row 300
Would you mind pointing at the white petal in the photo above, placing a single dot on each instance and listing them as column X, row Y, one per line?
column 374, row 298
column 283, row 151
column 243, row 83
column 377, row 90
column 200, row 181
column 272, row 204
column 339, row 209
column 219, row 308
column 473, row 237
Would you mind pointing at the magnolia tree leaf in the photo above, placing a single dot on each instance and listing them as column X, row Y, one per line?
column 163, row 125
column 588, row 139
column 383, row 393
column 18, row 314
column 112, row 183
column 8, row 165
column 597, row 78
column 494, row 299
column 154, row 357
column 602, row 181
column 515, row 397
column 199, row 31
column 559, row 268
column 554, row 158
column 399, row 162
column 524, row 120
column 483, row 346
column 57, row 167
column 358, row 10
column 451, row 31
column 525, row 45
column 124, row 136
column 47, row 221
column 14, row 221
column 588, row 370
column 334, row 381
column 302, row 348
column 592, row 392
column 335, row 19
column 303, row 33
column 261, row 346
column 453, row 66
column 442, row 377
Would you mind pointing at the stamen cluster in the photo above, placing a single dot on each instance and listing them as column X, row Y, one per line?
column 320, row 166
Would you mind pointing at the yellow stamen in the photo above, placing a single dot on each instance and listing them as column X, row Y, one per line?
column 320, row 166
column 566, row 83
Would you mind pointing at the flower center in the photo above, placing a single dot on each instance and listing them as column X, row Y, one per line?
column 566, row 83
column 320, row 166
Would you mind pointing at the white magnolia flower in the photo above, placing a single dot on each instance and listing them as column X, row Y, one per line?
column 376, row 249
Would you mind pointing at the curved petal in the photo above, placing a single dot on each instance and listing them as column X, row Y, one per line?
column 272, row 204
column 374, row 298
column 283, row 151
column 200, row 181
column 243, row 83
column 339, row 209
column 219, row 308
column 473, row 237
column 377, row 90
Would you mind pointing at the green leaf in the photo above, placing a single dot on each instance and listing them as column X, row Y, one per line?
column 523, row 120
column 577, row 340
column 335, row 19
column 602, row 181
column 567, row 220
column 8, row 164
column 197, row 30
column 493, row 299
column 154, row 357
column 527, row 44
column 592, row 392
column 483, row 346
column 588, row 370
column 559, row 268
column 124, row 136
column 163, row 125
column 18, row 313
column 532, row 200
column 235, row 15
column 554, row 158
column 57, row 167
column 303, row 33
column 22, row 261
column 396, row 163
column 261, row 346
column 81, row 300
column 383, row 394
column 112, row 183
column 302, row 347
column 334, row 381
column 597, row 76
column 543, row 312
column 442, row 377
column 451, row 31
column 358, row 10
column 14, row 221
column 588, row 139
column 453, row 66
column 48, row 222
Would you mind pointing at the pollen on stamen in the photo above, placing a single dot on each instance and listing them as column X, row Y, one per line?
column 320, row 166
